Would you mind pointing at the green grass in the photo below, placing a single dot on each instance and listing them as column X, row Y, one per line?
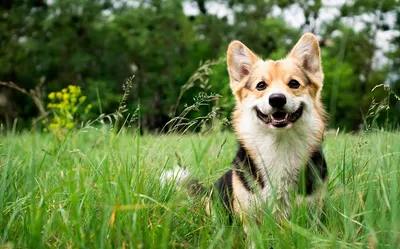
column 94, row 190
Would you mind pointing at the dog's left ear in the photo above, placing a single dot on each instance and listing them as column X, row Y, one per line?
column 240, row 61
column 307, row 52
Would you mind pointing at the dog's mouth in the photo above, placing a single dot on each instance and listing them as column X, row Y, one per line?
column 280, row 118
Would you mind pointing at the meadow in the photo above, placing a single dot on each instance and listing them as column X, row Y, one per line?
column 100, row 189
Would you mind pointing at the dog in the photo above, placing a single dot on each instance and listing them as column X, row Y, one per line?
column 279, row 121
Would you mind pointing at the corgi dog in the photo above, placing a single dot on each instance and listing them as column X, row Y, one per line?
column 279, row 122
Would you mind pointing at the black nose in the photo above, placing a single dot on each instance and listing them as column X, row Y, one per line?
column 277, row 100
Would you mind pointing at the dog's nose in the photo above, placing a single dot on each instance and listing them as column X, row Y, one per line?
column 277, row 100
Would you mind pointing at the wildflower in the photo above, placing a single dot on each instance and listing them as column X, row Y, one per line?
column 83, row 98
column 52, row 96
column 64, row 105
column 53, row 126
column 59, row 95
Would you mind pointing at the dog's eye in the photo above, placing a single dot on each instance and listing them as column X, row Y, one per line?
column 294, row 84
column 261, row 86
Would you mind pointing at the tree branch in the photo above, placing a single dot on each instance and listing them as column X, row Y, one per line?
column 35, row 94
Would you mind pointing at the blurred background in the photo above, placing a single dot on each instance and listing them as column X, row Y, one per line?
column 176, row 50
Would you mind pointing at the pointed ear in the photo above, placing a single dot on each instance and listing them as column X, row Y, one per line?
column 240, row 60
column 307, row 52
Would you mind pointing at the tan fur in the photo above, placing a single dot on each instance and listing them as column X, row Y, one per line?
column 246, row 70
column 278, row 152
column 277, row 73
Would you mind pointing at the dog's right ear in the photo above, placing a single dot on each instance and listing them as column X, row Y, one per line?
column 240, row 61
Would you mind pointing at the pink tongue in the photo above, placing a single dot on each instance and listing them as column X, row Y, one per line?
column 279, row 115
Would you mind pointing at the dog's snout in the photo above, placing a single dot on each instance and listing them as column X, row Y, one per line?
column 277, row 100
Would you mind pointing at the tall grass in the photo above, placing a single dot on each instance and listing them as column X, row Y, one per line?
column 100, row 187
column 98, row 190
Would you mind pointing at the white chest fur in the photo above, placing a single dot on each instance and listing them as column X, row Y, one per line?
column 279, row 158
column 279, row 155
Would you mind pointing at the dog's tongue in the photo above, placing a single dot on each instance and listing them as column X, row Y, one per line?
column 279, row 115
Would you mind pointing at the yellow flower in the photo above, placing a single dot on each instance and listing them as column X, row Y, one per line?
column 52, row 95
column 64, row 105
column 74, row 89
column 53, row 126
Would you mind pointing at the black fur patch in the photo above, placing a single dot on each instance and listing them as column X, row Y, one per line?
column 315, row 172
column 225, row 190
column 224, row 194
column 246, row 169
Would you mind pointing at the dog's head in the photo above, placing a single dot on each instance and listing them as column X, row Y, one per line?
column 277, row 95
